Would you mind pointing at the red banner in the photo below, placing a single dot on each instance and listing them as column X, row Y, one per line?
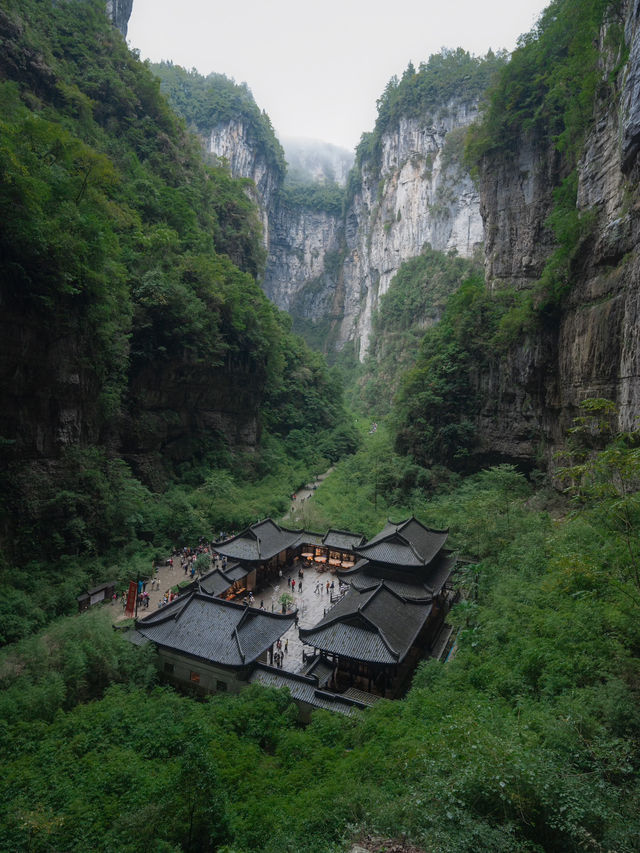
column 131, row 599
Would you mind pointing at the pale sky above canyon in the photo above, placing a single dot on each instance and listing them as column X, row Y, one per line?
column 318, row 68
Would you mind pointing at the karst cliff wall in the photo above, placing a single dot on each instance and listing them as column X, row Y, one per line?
column 233, row 143
column 119, row 11
column 415, row 192
column 592, row 348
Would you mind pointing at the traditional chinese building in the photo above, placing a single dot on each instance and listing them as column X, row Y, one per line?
column 375, row 636
column 261, row 549
column 367, row 645
column 209, row 644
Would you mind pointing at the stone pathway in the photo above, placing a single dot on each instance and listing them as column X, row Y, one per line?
column 167, row 577
column 311, row 607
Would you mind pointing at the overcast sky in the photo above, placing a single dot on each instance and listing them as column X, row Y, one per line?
column 317, row 68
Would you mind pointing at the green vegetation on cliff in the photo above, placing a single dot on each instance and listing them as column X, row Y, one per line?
column 525, row 740
column 206, row 102
column 547, row 88
column 415, row 301
column 546, row 96
column 139, row 348
column 448, row 79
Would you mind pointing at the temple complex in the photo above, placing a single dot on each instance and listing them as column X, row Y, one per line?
column 382, row 610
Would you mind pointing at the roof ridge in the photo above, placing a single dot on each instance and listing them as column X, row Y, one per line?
column 238, row 643
column 163, row 616
column 377, row 629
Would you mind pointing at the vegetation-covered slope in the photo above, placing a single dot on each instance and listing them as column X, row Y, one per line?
column 205, row 102
column 525, row 741
column 137, row 347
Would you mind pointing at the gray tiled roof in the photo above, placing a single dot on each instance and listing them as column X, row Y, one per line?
column 419, row 587
column 321, row 669
column 235, row 572
column 417, row 590
column 258, row 542
column 351, row 641
column 408, row 543
column 215, row 583
column 135, row 637
column 215, row 630
column 374, row 625
column 305, row 689
column 342, row 539
column 309, row 537
column 265, row 539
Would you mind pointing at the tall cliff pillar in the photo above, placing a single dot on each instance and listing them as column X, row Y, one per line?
column 119, row 11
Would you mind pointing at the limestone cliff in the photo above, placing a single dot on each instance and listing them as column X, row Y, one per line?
column 592, row 348
column 234, row 143
column 415, row 192
column 301, row 242
column 119, row 11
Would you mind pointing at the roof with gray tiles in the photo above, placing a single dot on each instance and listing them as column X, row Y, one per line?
column 366, row 576
column 305, row 689
column 258, row 542
column 215, row 582
column 343, row 540
column 215, row 630
column 408, row 543
column 374, row 625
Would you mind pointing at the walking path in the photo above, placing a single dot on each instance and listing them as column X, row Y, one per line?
column 311, row 607
column 166, row 577
column 306, row 494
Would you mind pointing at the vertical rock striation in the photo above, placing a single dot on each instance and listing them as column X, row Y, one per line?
column 417, row 193
column 592, row 349
column 119, row 11
column 233, row 143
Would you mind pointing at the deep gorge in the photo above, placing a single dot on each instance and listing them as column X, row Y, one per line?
column 468, row 300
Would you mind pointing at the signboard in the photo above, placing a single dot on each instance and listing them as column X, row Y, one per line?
column 131, row 599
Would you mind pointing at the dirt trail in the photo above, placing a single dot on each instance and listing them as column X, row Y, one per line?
column 306, row 493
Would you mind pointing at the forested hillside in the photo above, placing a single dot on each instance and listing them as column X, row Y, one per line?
column 138, row 350
column 150, row 395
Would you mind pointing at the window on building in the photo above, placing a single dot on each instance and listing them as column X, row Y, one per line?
column 221, row 686
column 168, row 667
column 195, row 677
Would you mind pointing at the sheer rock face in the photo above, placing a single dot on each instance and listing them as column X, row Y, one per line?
column 233, row 143
column 297, row 239
column 418, row 193
column 49, row 396
column 119, row 11
column 593, row 349
column 297, row 276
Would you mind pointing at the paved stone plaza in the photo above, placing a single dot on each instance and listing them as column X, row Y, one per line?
column 311, row 607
